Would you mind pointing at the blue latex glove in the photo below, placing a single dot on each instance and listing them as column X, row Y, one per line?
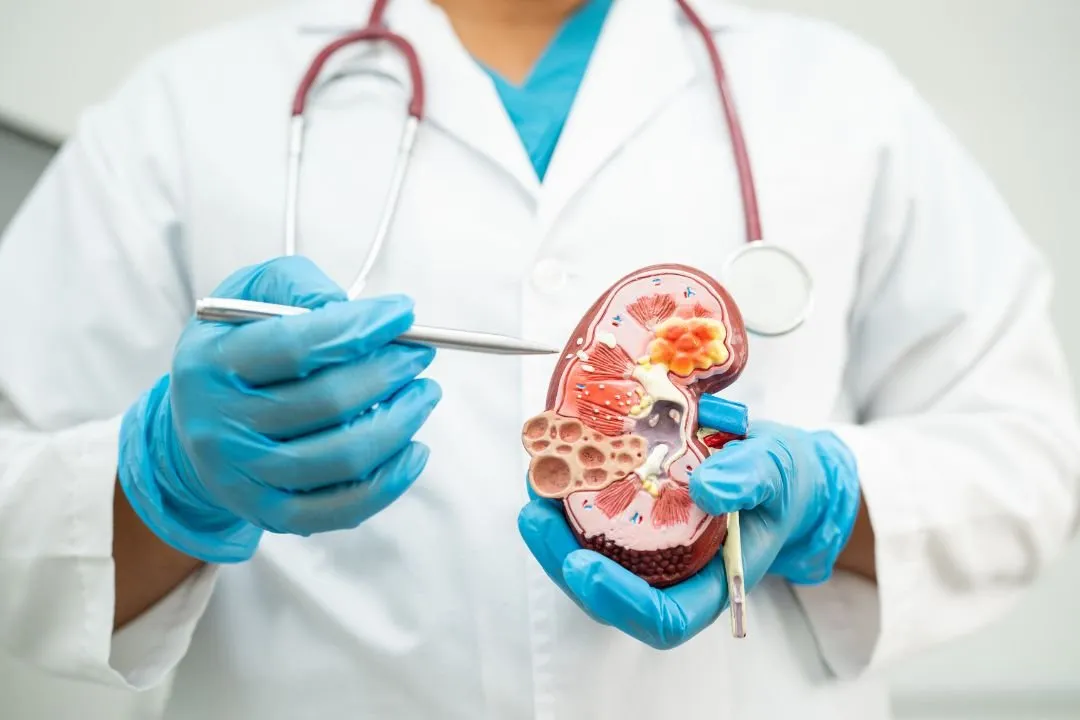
column 294, row 425
column 799, row 494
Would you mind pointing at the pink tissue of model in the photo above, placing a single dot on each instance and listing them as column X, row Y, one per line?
column 619, row 438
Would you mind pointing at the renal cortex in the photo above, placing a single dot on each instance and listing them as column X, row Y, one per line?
column 619, row 436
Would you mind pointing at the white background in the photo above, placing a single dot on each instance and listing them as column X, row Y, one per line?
column 1002, row 72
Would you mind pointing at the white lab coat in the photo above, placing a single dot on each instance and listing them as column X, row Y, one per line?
column 930, row 352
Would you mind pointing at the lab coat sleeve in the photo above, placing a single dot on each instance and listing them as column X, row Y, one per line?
column 93, row 294
column 966, row 440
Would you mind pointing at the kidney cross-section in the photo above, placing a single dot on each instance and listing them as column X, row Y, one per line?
column 618, row 439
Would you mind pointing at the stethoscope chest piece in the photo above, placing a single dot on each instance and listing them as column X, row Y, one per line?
column 772, row 288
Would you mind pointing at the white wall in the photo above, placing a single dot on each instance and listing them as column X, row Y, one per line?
column 21, row 161
column 1002, row 72
column 57, row 56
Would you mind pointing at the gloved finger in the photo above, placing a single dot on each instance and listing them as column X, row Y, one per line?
column 548, row 537
column 288, row 348
column 742, row 475
column 346, row 505
column 290, row 280
column 662, row 619
column 543, row 527
column 334, row 395
column 352, row 451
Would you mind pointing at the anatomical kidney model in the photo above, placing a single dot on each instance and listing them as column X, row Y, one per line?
column 620, row 436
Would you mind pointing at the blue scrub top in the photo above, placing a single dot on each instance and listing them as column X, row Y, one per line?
column 539, row 107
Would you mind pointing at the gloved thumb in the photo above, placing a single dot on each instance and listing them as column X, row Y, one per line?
column 290, row 280
column 744, row 474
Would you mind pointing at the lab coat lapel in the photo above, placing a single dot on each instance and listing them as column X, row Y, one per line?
column 460, row 98
column 640, row 62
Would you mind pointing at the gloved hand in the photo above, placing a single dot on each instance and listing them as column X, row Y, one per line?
column 799, row 496
column 294, row 425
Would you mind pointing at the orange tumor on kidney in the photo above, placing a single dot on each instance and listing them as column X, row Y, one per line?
column 684, row 345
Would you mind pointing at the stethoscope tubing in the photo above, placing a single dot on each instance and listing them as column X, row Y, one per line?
column 377, row 31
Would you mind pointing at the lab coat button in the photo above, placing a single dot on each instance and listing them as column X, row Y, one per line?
column 549, row 275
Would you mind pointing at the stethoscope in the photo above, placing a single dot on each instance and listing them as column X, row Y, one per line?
column 772, row 288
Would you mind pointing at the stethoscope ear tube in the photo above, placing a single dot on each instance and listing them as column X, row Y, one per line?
column 375, row 31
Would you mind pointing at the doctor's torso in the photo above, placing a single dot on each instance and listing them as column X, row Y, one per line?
column 434, row 608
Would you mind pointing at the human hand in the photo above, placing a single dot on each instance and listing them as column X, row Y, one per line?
column 798, row 494
column 295, row 425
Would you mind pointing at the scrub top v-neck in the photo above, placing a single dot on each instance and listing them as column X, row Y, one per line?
column 540, row 105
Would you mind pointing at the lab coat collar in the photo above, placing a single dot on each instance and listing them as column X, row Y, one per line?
column 642, row 59
column 641, row 62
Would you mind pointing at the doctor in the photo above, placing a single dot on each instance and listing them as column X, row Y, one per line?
column 223, row 509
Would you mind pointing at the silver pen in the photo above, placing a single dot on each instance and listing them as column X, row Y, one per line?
column 232, row 311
